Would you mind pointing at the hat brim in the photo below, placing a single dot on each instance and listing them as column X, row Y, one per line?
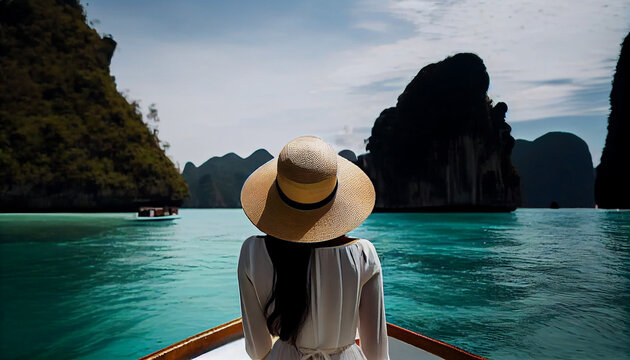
column 351, row 205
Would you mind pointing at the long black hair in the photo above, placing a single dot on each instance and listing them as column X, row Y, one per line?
column 291, row 292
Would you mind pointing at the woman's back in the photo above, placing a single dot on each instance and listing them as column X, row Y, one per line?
column 290, row 284
column 346, row 292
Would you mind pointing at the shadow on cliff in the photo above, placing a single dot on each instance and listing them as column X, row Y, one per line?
column 612, row 184
column 444, row 146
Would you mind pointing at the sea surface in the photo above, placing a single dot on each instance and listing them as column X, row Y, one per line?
column 532, row 284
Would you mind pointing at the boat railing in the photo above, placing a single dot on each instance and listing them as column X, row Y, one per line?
column 233, row 330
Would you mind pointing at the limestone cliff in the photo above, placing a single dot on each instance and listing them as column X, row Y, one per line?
column 612, row 185
column 69, row 140
column 444, row 146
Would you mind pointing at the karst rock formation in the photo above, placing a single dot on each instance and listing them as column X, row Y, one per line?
column 555, row 168
column 612, row 184
column 69, row 141
column 444, row 146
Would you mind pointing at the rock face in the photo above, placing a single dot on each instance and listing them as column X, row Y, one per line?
column 217, row 183
column 348, row 155
column 444, row 147
column 68, row 140
column 556, row 167
column 612, row 185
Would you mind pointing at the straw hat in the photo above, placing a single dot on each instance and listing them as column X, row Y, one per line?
column 308, row 194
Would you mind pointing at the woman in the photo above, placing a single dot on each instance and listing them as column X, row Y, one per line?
column 306, row 282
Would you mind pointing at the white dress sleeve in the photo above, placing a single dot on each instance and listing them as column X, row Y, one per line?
column 372, row 323
column 257, row 338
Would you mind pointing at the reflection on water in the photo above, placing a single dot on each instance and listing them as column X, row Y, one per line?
column 530, row 284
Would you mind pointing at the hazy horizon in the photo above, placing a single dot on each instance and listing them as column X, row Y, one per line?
column 230, row 77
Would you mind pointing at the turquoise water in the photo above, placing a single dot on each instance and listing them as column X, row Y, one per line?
column 540, row 284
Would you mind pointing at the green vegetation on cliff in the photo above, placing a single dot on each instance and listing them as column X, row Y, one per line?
column 217, row 182
column 68, row 139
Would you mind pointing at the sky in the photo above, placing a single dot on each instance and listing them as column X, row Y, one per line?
column 236, row 76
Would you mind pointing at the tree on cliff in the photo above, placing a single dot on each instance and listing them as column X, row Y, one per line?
column 444, row 146
column 612, row 184
column 68, row 139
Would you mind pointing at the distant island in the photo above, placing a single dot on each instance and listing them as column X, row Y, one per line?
column 444, row 146
column 612, row 185
column 555, row 168
column 556, row 171
column 217, row 182
column 69, row 141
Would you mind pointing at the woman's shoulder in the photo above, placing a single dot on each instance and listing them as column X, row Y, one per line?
column 365, row 242
column 366, row 245
column 250, row 253
column 252, row 244
column 366, row 258
column 359, row 244
column 369, row 253
column 254, row 239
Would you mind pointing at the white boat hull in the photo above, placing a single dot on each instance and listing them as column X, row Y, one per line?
column 155, row 218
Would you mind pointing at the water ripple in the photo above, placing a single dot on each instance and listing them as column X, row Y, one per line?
column 534, row 284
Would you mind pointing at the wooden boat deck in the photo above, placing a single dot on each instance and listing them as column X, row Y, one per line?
column 226, row 342
column 236, row 351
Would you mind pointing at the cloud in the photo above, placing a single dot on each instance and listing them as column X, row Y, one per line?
column 228, row 80
column 375, row 26
column 563, row 81
column 529, row 50
column 378, row 86
column 349, row 138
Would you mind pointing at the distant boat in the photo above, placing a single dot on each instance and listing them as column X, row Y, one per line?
column 226, row 342
column 157, row 214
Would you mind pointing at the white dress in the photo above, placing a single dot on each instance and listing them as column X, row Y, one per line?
column 346, row 294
